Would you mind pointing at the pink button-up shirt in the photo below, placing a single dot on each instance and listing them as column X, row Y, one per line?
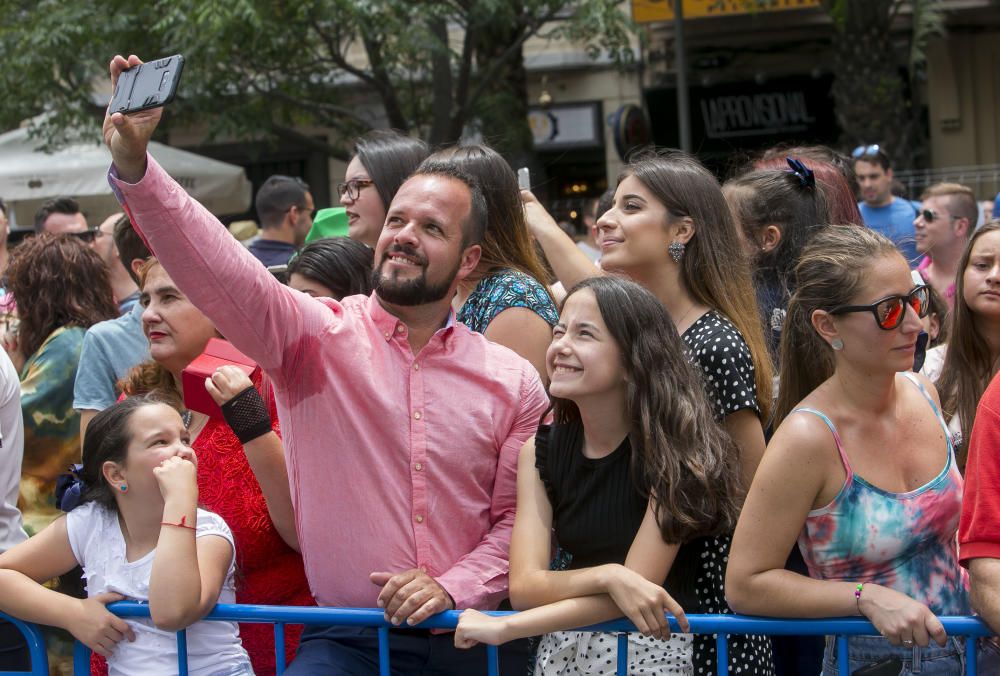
column 396, row 460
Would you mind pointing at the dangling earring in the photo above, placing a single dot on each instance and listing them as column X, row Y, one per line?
column 837, row 344
column 123, row 488
column 676, row 251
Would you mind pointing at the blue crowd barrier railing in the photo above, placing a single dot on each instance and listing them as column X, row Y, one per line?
column 721, row 625
column 36, row 648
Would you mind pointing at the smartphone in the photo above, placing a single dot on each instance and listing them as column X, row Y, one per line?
column 889, row 667
column 524, row 178
column 148, row 85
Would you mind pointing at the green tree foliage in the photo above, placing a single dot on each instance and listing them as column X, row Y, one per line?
column 265, row 68
column 871, row 94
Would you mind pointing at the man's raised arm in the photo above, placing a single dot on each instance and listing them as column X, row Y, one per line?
column 259, row 315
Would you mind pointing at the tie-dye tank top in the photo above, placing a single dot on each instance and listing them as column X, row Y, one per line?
column 904, row 541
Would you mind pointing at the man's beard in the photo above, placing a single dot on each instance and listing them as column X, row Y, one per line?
column 416, row 291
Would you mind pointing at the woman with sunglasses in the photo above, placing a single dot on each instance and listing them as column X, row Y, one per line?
column 974, row 342
column 382, row 160
column 860, row 470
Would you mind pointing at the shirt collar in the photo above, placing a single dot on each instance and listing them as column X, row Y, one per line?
column 389, row 324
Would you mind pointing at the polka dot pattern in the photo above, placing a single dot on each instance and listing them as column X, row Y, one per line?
column 564, row 653
column 748, row 655
column 722, row 353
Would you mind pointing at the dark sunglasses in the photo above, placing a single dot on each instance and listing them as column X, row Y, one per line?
column 889, row 311
column 931, row 216
column 87, row 236
column 862, row 150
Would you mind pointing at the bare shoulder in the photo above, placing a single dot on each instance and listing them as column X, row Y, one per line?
column 804, row 436
column 928, row 385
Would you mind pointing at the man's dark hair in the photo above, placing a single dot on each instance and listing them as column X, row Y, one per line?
column 474, row 227
column 59, row 205
column 130, row 245
column 278, row 195
column 878, row 157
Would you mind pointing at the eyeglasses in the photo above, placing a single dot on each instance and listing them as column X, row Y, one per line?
column 353, row 187
column 87, row 236
column 889, row 311
column 863, row 150
column 930, row 215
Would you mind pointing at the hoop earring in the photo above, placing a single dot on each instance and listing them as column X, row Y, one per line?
column 837, row 344
column 676, row 251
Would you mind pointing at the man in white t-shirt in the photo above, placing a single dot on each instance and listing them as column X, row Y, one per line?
column 13, row 650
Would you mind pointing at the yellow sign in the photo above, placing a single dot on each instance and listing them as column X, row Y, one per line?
column 648, row 11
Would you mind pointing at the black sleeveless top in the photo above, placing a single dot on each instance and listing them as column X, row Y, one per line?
column 597, row 507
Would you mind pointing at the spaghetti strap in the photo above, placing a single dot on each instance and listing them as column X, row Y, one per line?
column 836, row 436
column 934, row 407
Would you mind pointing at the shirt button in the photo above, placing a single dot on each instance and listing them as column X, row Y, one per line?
column 400, row 329
column 418, row 518
column 418, row 466
column 416, row 415
column 416, row 367
column 386, row 334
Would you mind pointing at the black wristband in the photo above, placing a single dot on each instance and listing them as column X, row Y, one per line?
column 247, row 415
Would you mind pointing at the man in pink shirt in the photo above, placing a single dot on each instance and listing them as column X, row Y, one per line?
column 401, row 427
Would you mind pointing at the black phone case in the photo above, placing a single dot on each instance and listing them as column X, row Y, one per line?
column 148, row 85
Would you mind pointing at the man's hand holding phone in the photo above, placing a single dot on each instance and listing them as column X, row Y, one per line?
column 127, row 136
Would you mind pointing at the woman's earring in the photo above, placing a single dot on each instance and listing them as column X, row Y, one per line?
column 837, row 344
column 123, row 488
column 676, row 251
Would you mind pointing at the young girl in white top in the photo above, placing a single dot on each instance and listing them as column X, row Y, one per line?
column 139, row 536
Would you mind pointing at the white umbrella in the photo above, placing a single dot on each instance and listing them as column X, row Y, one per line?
column 29, row 177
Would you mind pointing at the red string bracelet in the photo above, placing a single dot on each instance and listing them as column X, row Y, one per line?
column 182, row 524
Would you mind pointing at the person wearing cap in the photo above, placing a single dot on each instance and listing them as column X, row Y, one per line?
column 285, row 209
column 331, row 222
column 881, row 210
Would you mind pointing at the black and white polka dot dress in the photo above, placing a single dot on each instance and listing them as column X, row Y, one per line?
column 722, row 353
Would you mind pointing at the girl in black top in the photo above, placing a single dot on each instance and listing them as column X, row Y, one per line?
column 634, row 467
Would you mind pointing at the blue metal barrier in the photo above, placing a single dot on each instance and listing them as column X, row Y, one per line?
column 720, row 625
column 36, row 648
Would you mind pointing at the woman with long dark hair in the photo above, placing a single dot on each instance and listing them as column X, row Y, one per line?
column 973, row 353
column 634, row 469
column 382, row 160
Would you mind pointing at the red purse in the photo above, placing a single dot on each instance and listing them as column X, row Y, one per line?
column 217, row 353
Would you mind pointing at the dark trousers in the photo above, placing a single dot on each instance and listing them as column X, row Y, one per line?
column 353, row 651
column 14, row 654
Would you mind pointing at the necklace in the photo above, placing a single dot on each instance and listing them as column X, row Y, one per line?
column 681, row 320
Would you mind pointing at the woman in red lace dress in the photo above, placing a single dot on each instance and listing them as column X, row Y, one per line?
column 268, row 570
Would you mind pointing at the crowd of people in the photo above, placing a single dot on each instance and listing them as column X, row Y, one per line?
column 762, row 396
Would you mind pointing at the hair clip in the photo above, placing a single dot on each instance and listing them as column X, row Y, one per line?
column 70, row 488
column 802, row 172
